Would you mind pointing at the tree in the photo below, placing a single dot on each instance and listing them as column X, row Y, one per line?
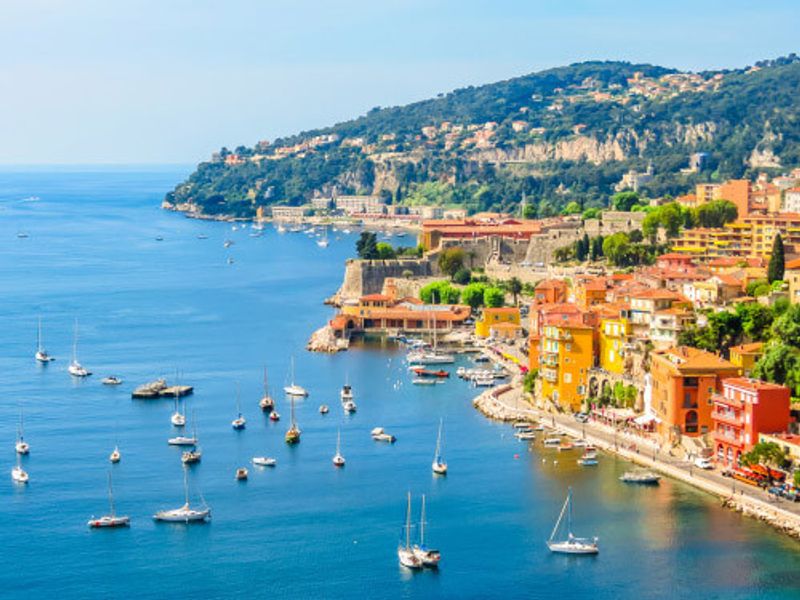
column 716, row 213
column 616, row 248
column 462, row 276
column 756, row 320
column 777, row 261
column 786, row 327
column 451, row 260
column 439, row 292
column 385, row 251
column 582, row 247
column 493, row 297
column 765, row 453
column 572, row 208
column 529, row 380
column 591, row 213
column 515, row 287
column 472, row 295
column 624, row 201
column 367, row 245
column 755, row 284
column 596, row 248
column 780, row 364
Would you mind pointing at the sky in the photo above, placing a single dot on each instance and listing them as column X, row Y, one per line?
column 170, row 81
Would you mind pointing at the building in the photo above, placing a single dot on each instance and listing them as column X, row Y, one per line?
column 791, row 200
column 684, row 380
column 378, row 313
column 550, row 291
column 736, row 191
column 591, row 292
column 435, row 231
column 351, row 205
column 615, row 334
column 790, row 442
column 288, row 212
column 746, row 356
column 667, row 324
column 645, row 304
column 744, row 409
column 715, row 290
column 566, row 355
column 792, row 276
column 322, row 203
column 494, row 316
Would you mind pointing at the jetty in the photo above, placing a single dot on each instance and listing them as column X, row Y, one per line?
column 160, row 389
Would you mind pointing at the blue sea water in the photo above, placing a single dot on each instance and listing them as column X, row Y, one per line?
column 304, row 529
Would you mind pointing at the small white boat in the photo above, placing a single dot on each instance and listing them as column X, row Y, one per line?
column 423, row 381
column 264, row 461
column 111, row 380
column 274, row 416
column 266, row 403
column 588, row 459
column 572, row 544
column 347, row 398
column 184, row 514
column 239, row 422
column 565, row 447
column 228, row 243
column 41, row 354
column 182, row 440
column 349, row 406
column 178, row 419
column 428, row 557
column 293, row 433
column 75, row 368
column 241, row 474
column 439, row 466
column 323, row 409
column 18, row 474
column 115, row 455
column 521, row 425
column 293, row 389
column 552, row 442
column 338, row 459
column 641, row 477
column 379, row 435
column 483, row 381
column 190, row 457
column 405, row 553
column 21, row 446
column 112, row 519
column 525, row 435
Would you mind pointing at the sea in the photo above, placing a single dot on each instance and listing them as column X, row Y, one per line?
column 81, row 244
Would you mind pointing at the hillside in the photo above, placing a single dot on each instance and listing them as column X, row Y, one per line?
column 555, row 136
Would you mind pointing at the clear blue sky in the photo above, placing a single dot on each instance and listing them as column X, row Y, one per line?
column 169, row 81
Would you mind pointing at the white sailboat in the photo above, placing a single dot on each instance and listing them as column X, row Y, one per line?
column 185, row 440
column 338, row 459
column 323, row 241
column 293, row 433
column 293, row 389
column 111, row 519
column 184, row 514
column 266, row 403
column 439, row 465
column 41, row 354
column 75, row 368
column 115, row 455
column 433, row 357
column 178, row 418
column 239, row 422
column 427, row 556
column 405, row 553
column 21, row 447
column 571, row 544
column 18, row 474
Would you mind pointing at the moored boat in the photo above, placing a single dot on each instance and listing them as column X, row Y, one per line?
column 641, row 477
column 379, row 435
column 110, row 520
column 184, row 514
column 439, row 466
column 264, row 461
column 266, row 403
column 41, row 354
column 427, row 556
column 570, row 544
column 405, row 553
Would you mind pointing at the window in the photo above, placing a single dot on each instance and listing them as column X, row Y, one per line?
column 567, row 377
column 581, row 389
column 568, row 347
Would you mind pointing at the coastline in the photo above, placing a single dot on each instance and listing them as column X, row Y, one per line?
column 508, row 403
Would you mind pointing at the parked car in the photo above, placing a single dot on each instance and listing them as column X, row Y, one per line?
column 703, row 462
column 581, row 417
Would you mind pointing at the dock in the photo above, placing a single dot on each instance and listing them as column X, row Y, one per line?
column 160, row 389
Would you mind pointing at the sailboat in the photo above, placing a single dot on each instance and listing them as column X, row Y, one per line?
column 185, row 440
column 347, row 398
column 405, row 553
column 239, row 422
column 428, row 557
column 184, row 514
column 115, row 456
column 266, row 403
column 75, row 368
column 178, row 419
column 293, row 389
column 293, row 433
column 572, row 544
column 434, row 357
column 41, row 354
column 111, row 519
column 18, row 474
column 323, row 242
column 439, row 466
column 22, row 447
column 338, row 459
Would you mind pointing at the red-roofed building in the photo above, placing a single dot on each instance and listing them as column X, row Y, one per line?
column 550, row 291
column 673, row 260
column 792, row 275
column 745, row 408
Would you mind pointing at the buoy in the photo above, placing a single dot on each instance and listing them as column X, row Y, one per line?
column 516, row 456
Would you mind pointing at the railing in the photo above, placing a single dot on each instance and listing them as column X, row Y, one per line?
column 726, row 417
column 729, row 437
column 550, row 375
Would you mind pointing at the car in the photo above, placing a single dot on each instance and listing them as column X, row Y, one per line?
column 581, row 417
column 703, row 462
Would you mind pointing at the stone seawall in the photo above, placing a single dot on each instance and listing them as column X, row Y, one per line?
column 362, row 277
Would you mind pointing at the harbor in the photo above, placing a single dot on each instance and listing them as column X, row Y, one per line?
column 304, row 514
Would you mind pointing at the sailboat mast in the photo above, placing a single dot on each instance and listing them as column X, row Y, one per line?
column 422, row 524
column 560, row 517
column 266, row 393
column 408, row 522
column 39, row 336
column 569, row 514
column 338, row 440
column 75, row 342
column 186, row 485
column 110, row 495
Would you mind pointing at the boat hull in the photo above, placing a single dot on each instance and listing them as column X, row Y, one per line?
column 573, row 548
column 109, row 522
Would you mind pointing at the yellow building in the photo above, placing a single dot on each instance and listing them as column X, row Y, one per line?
column 567, row 354
column 746, row 356
column 614, row 334
column 495, row 316
column 792, row 275
column 751, row 236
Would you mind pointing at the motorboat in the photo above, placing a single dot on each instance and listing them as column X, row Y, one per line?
column 323, row 409
column 184, row 514
column 111, row 380
column 420, row 381
column 75, row 368
column 483, row 381
column 349, row 406
column 405, row 553
column 481, row 358
column 431, row 358
column 112, row 519
column 379, row 435
column 228, row 243
column 346, row 393
column 525, row 435
column 565, row 447
column 241, row 474
column 461, row 372
column 570, row 544
column 521, row 425
column 640, row 477
column 423, row 372
column 264, row 461
column 427, row 556
column 115, row 455
column 266, row 403
column 588, row 459
column 182, row 440
column 293, row 389
column 18, row 474
column 552, row 442
column 338, row 459
column 41, row 354
column 274, row 416
column 189, row 457
column 439, row 466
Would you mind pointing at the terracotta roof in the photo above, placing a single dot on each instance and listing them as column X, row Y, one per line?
column 752, row 384
column 674, row 256
column 656, row 295
column 504, row 310
column 551, row 284
column 793, row 264
column 751, row 348
column 724, row 261
column 686, row 358
column 729, row 280
column 374, row 298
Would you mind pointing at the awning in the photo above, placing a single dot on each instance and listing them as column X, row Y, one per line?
column 646, row 419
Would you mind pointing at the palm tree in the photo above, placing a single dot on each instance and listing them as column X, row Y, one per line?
column 515, row 287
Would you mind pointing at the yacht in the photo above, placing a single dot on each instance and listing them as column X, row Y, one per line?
column 293, row 389
column 428, row 557
column 239, row 422
column 588, row 459
column 264, row 461
column 21, row 446
column 178, row 419
column 552, row 442
column 18, row 474
column 525, row 435
column 266, row 403
column 184, row 514
column 111, row 519
column 190, row 457
column 405, row 553
column 379, row 435
column 346, row 395
column 323, row 241
column 41, row 354
column 439, row 466
column 641, row 477
column 111, row 380
column 338, row 459
column 570, row 544
column 241, row 474
column 115, row 456
column 75, row 368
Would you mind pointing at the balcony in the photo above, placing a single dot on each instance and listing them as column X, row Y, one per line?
column 729, row 438
column 729, row 417
column 550, row 375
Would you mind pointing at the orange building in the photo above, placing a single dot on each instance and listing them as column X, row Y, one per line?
column 591, row 292
column 746, row 408
column 684, row 380
column 736, row 191
column 380, row 314
column 435, row 231
column 550, row 291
